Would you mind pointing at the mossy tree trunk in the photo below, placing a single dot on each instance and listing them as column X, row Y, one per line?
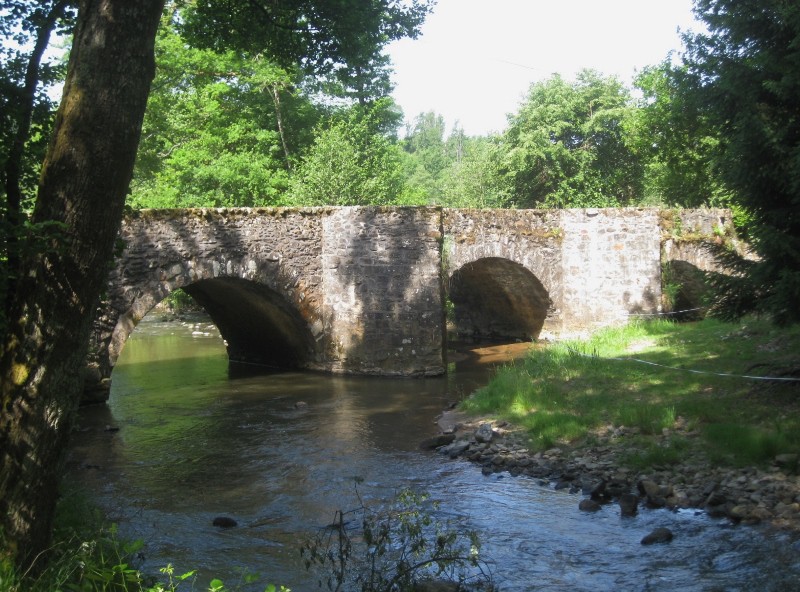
column 81, row 195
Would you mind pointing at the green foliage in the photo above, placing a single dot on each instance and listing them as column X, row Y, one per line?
column 459, row 172
column 350, row 163
column 21, row 24
column 396, row 549
column 221, row 129
column 743, row 444
column 473, row 180
column 645, row 454
column 328, row 37
column 744, row 75
column 653, row 376
column 566, row 146
column 425, row 144
column 676, row 142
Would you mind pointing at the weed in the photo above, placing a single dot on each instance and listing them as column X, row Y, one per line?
column 656, row 454
column 395, row 549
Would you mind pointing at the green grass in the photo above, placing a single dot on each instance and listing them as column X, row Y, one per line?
column 642, row 376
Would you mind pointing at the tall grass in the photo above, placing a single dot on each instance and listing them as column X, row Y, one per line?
column 640, row 376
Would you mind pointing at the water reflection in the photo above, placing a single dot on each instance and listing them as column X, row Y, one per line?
column 281, row 452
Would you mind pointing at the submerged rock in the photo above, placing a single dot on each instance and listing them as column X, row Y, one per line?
column 588, row 505
column 437, row 441
column 224, row 522
column 628, row 504
column 659, row 535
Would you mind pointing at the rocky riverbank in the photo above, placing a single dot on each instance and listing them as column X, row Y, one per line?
column 746, row 495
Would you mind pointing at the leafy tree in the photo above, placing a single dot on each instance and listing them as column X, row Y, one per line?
column 350, row 163
column 425, row 143
column 675, row 141
column 26, row 117
column 566, row 146
column 343, row 39
column 744, row 73
column 82, row 188
column 472, row 180
column 221, row 129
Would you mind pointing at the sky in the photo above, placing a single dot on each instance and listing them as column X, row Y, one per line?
column 476, row 59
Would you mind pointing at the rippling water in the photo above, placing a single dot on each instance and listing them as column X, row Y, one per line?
column 196, row 441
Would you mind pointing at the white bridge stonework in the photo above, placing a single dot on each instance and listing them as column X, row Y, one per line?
column 363, row 290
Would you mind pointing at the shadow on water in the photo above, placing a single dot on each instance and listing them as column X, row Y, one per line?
column 281, row 452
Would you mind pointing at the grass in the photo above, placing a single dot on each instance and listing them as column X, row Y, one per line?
column 653, row 376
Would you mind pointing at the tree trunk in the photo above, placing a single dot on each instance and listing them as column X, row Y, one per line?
column 83, row 185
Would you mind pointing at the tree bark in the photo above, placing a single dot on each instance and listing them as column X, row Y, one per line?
column 83, row 184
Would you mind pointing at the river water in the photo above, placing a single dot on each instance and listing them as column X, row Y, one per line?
column 184, row 438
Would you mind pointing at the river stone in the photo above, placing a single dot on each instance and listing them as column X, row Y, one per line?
column 649, row 488
column 588, row 505
column 455, row 449
column 659, row 535
column 484, row 433
column 739, row 512
column 628, row 504
column 437, row 441
column 224, row 522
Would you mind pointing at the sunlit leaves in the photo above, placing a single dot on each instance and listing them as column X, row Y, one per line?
column 349, row 164
column 211, row 134
column 565, row 147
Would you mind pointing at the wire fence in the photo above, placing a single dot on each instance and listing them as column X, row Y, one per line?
column 689, row 370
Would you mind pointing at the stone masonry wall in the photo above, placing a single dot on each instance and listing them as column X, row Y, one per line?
column 169, row 249
column 611, row 266
column 383, row 296
column 687, row 260
column 345, row 289
column 362, row 290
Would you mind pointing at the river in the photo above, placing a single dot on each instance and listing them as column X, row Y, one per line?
column 184, row 438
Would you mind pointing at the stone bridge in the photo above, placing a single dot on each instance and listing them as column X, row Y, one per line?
column 376, row 290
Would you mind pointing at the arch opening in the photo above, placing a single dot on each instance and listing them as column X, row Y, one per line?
column 496, row 299
column 258, row 325
column 685, row 290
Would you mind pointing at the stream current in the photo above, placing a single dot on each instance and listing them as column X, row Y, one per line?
column 184, row 439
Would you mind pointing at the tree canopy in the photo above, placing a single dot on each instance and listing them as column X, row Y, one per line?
column 350, row 163
column 744, row 76
column 566, row 146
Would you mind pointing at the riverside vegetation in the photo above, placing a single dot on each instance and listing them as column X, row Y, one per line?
column 658, row 404
column 673, row 410
column 398, row 546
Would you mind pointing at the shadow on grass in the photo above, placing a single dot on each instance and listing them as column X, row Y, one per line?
column 658, row 378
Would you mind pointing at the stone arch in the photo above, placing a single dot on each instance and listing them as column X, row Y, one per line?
column 498, row 299
column 685, row 289
column 257, row 323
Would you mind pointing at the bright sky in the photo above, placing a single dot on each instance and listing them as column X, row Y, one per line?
column 476, row 59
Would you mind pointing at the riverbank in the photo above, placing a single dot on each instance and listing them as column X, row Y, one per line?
column 656, row 415
column 597, row 473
